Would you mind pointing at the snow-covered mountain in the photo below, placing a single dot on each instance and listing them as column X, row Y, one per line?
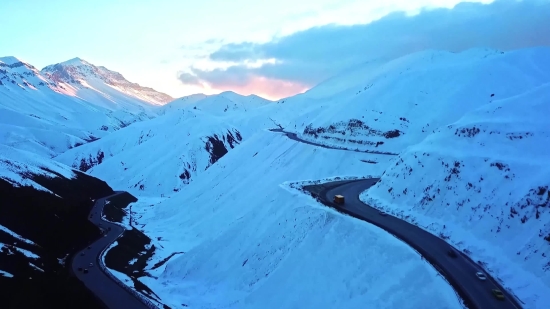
column 483, row 181
column 227, row 102
column 89, row 82
column 48, row 116
column 160, row 156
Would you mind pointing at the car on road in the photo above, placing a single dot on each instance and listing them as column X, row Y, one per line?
column 89, row 247
column 382, row 213
column 339, row 199
column 82, row 254
column 481, row 276
column 85, row 270
column 91, row 264
column 498, row 294
column 79, row 269
column 451, row 253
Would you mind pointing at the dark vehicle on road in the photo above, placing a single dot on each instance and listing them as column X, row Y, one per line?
column 85, row 270
column 89, row 247
column 382, row 213
column 451, row 253
column 498, row 294
column 82, row 254
column 80, row 269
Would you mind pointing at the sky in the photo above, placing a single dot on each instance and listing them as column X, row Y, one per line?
column 272, row 48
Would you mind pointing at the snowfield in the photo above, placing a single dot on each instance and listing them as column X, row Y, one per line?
column 268, row 239
column 482, row 182
column 159, row 156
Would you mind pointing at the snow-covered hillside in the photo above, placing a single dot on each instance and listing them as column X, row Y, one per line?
column 398, row 103
column 482, row 182
column 47, row 117
column 227, row 102
column 245, row 234
column 160, row 155
column 16, row 166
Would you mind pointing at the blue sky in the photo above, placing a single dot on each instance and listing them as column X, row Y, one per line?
column 272, row 47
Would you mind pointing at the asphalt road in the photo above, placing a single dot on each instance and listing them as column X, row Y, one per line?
column 110, row 292
column 459, row 271
column 294, row 137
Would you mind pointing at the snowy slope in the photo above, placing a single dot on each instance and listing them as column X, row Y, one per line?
column 160, row 155
column 15, row 166
column 398, row 103
column 251, row 242
column 48, row 117
column 483, row 181
column 227, row 102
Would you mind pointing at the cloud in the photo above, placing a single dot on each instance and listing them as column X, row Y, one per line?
column 189, row 79
column 310, row 56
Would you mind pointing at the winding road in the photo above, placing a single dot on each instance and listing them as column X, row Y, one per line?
column 111, row 293
column 459, row 270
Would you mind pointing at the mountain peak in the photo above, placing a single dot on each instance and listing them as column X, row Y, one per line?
column 76, row 62
column 10, row 60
